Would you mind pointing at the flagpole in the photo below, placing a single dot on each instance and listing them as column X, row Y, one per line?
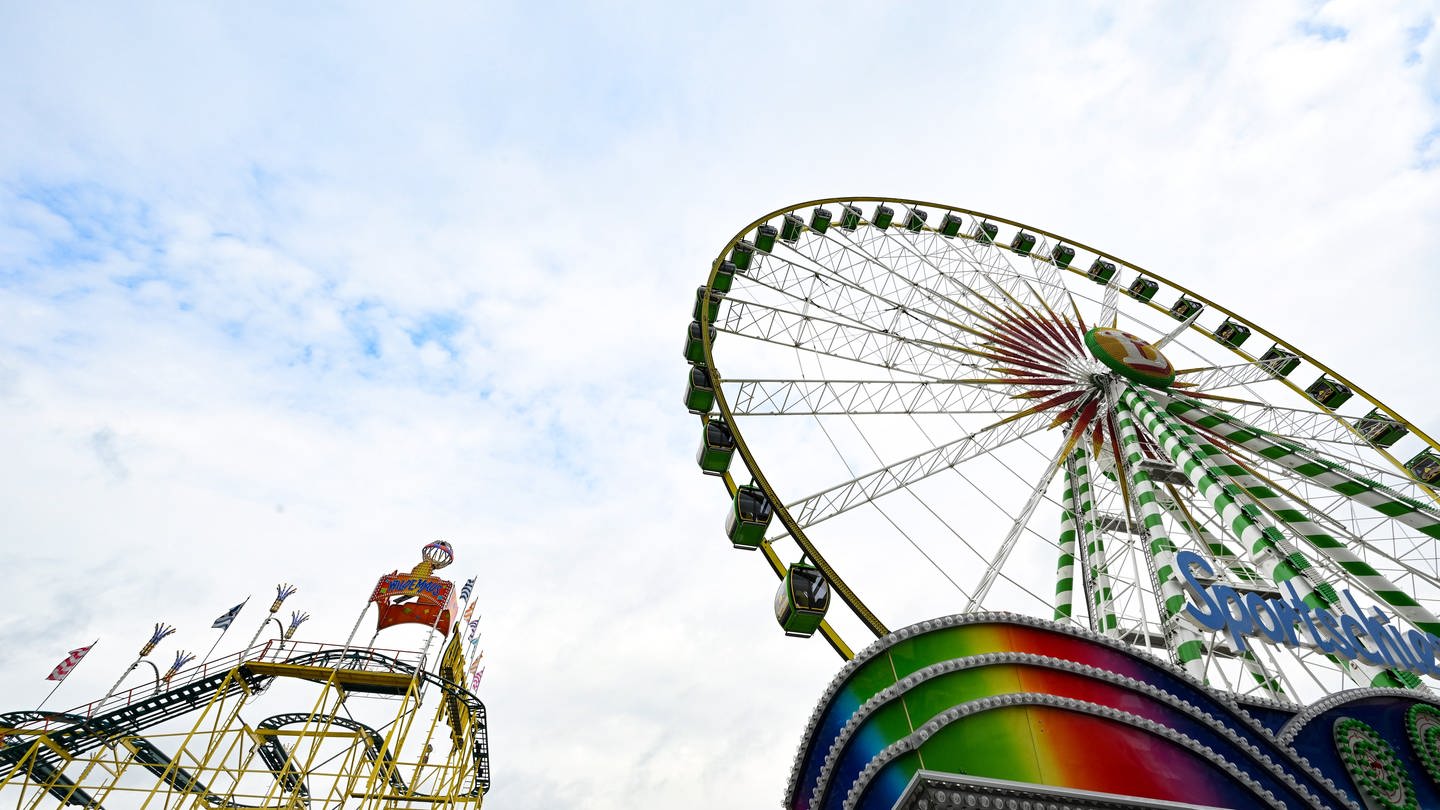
column 62, row 680
column 223, row 631
column 283, row 591
column 162, row 631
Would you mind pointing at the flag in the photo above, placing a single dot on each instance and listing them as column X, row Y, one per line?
column 473, row 625
column 475, row 681
column 465, row 589
column 223, row 623
column 63, row 668
column 470, row 608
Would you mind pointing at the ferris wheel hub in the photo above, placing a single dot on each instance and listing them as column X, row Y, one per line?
column 1130, row 357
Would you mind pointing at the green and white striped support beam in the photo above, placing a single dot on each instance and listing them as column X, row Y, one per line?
column 1186, row 643
column 1373, row 582
column 1304, row 461
column 1065, row 569
column 1221, row 553
column 1244, row 519
column 1097, row 574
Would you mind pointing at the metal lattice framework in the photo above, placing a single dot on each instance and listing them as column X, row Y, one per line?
column 374, row 729
column 909, row 386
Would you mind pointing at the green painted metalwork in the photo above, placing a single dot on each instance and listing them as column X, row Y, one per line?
column 750, row 514
column 802, row 600
column 717, row 447
column 1143, row 289
column 699, row 393
column 1329, row 393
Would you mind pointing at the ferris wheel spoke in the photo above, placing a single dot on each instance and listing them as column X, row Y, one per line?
column 863, row 489
column 1293, row 423
column 1230, row 375
column 1284, row 511
column 1305, row 462
column 1370, row 547
column 1017, row 528
column 843, row 341
column 865, row 397
column 845, row 303
column 1110, row 306
column 1178, row 330
column 969, row 265
column 861, row 287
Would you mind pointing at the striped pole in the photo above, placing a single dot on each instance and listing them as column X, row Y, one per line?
column 1207, row 540
column 1370, row 580
column 1065, row 568
column 1102, row 600
column 1222, row 554
column 1267, row 545
column 1186, row 643
column 1306, row 462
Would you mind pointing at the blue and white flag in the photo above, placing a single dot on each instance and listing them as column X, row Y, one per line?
column 466, row 588
column 223, row 623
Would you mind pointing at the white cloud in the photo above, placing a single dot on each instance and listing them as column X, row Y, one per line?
column 208, row 218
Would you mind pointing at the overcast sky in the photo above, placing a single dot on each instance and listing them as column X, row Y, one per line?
column 287, row 292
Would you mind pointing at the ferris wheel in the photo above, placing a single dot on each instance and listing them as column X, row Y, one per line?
column 921, row 410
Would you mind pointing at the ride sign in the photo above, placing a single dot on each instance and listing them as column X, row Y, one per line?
column 1349, row 636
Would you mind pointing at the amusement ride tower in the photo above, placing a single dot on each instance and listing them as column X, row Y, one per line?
column 1109, row 542
column 281, row 724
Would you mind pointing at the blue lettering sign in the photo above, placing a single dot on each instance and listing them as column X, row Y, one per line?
column 1368, row 637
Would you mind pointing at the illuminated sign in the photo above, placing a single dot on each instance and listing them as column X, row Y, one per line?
column 433, row 590
column 1349, row 636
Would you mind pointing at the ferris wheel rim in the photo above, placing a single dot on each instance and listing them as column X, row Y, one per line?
column 783, row 512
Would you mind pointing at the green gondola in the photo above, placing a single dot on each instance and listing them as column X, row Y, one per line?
column 699, row 392
column 1101, row 271
column 802, row 600
column 985, row 233
column 884, row 215
column 849, row 216
column 1023, row 243
column 742, row 254
column 1185, row 307
column 915, row 220
column 707, row 314
column 1379, row 429
column 724, row 277
column 694, row 348
column 951, row 224
column 765, row 238
column 1143, row 289
column 820, row 220
column 791, row 228
column 1279, row 361
column 717, row 447
column 750, row 514
column 1330, row 393
column 1232, row 333
column 1425, row 466
column 1062, row 255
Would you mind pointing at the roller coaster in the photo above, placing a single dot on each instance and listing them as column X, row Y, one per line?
column 134, row 751
column 383, row 729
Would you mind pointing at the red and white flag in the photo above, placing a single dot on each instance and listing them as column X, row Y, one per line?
column 68, row 664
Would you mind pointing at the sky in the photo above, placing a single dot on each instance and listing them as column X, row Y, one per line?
column 288, row 292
